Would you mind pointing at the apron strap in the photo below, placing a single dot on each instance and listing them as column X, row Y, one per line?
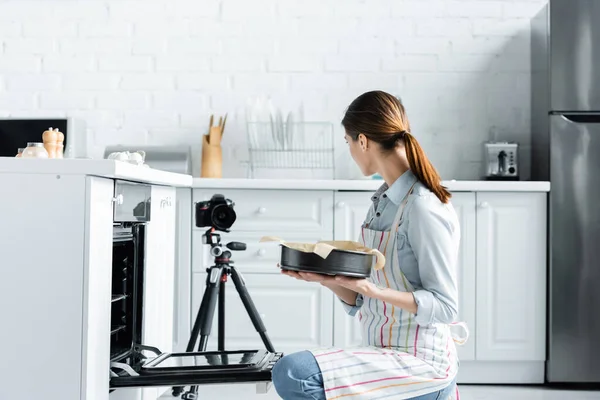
column 400, row 212
column 458, row 339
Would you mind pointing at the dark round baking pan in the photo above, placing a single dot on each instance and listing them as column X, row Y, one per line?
column 338, row 262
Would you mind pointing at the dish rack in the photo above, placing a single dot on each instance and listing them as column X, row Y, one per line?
column 297, row 146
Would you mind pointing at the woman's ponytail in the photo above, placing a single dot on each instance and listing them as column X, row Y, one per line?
column 423, row 169
column 381, row 118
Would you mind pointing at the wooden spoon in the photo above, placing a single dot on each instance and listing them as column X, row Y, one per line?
column 223, row 126
column 210, row 124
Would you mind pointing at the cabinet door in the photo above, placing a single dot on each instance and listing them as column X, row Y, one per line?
column 159, row 276
column 297, row 314
column 350, row 211
column 265, row 211
column 464, row 204
column 511, row 276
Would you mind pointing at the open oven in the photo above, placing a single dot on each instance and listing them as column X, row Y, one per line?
column 137, row 364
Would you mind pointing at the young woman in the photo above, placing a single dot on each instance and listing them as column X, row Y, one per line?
column 407, row 308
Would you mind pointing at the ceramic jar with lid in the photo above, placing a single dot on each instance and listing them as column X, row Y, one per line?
column 35, row 150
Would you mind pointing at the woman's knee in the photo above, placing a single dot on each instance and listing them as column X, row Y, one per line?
column 295, row 374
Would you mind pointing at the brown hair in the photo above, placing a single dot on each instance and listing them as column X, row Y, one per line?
column 381, row 118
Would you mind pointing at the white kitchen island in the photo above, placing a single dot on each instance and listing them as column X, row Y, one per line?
column 56, row 233
column 502, row 271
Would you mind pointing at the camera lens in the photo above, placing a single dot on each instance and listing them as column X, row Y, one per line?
column 223, row 217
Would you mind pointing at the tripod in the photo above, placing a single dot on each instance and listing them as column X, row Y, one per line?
column 215, row 289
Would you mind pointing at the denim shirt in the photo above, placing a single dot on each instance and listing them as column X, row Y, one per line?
column 428, row 242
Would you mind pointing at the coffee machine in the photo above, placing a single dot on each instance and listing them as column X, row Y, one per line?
column 501, row 161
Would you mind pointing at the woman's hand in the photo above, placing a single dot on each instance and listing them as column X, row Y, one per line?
column 358, row 285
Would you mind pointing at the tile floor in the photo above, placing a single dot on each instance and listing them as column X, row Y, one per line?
column 523, row 393
column 477, row 392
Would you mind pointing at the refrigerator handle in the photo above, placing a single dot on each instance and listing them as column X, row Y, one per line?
column 581, row 118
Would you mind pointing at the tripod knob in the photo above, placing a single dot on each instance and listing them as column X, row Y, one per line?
column 236, row 246
column 216, row 251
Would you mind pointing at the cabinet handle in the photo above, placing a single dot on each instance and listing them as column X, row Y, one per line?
column 261, row 252
column 262, row 210
column 341, row 204
column 484, row 204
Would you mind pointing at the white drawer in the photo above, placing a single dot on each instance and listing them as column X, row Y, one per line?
column 298, row 315
column 277, row 210
column 258, row 257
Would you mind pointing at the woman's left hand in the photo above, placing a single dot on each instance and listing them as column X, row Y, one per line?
column 359, row 285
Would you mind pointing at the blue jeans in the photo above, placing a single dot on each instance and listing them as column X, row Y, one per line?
column 297, row 376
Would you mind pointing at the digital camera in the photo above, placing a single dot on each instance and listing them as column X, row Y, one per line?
column 217, row 212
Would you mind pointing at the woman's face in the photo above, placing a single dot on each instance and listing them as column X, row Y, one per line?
column 362, row 154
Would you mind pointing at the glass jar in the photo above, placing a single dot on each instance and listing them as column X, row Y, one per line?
column 20, row 151
column 35, row 150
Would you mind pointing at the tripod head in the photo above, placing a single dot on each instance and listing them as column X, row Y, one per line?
column 216, row 249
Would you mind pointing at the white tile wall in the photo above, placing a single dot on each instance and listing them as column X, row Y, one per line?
column 152, row 71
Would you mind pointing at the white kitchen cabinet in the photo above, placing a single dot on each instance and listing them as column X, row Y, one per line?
column 350, row 211
column 297, row 315
column 265, row 211
column 159, row 277
column 464, row 205
column 511, row 276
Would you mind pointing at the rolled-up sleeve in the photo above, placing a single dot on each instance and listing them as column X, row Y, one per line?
column 352, row 310
column 434, row 239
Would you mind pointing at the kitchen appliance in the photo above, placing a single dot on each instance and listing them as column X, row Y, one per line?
column 177, row 159
column 502, row 161
column 15, row 133
column 565, row 60
column 131, row 366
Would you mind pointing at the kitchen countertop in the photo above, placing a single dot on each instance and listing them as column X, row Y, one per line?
column 364, row 185
column 102, row 168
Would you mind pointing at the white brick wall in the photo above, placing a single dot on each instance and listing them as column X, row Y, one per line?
column 152, row 71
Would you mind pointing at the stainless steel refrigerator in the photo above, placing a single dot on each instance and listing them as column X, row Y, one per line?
column 565, row 61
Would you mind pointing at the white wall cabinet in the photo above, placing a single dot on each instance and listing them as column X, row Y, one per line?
column 501, row 274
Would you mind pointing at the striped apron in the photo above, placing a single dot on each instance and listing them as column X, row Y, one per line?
column 398, row 359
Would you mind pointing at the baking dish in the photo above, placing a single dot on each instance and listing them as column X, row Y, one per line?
column 345, row 258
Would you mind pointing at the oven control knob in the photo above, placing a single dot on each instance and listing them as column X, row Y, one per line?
column 118, row 200
column 262, row 210
column 484, row 204
column 341, row 204
column 261, row 252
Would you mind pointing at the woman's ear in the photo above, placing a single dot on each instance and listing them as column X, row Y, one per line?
column 363, row 142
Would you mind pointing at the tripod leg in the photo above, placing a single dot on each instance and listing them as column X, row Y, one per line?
column 240, row 286
column 221, row 332
column 213, row 281
column 205, row 315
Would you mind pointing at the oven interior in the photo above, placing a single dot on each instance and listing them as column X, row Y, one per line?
column 127, row 293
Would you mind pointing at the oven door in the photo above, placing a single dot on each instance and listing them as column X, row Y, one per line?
column 196, row 368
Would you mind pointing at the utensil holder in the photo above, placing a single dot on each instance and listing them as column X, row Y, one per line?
column 212, row 160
